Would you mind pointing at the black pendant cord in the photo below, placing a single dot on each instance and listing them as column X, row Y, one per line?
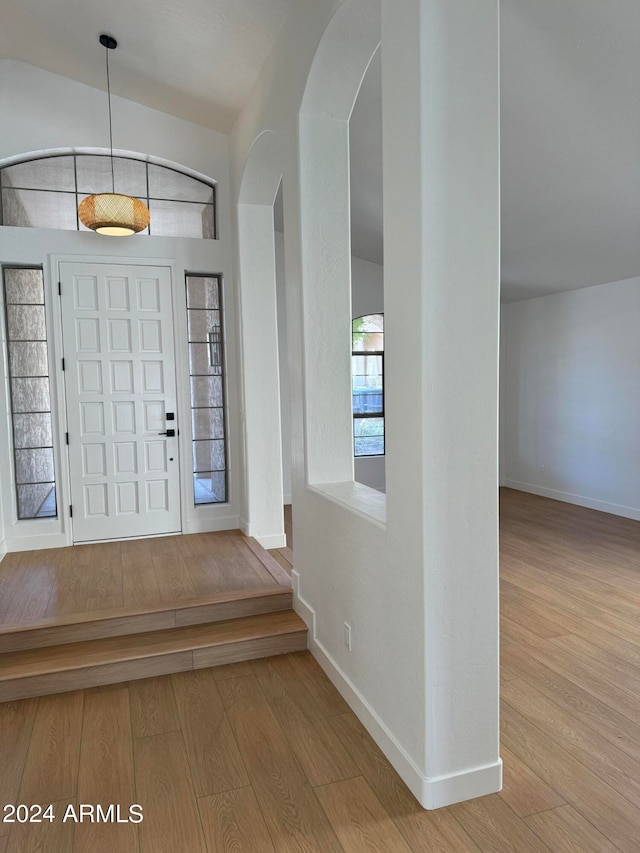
column 113, row 179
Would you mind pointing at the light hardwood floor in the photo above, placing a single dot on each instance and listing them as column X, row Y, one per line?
column 265, row 757
column 56, row 584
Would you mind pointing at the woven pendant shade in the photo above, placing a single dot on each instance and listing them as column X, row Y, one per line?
column 113, row 214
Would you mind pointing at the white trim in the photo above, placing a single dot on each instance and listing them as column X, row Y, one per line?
column 271, row 540
column 3, row 549
column 43, row 154
column 578, row 500
column 287, row 499
column 211, row 525
column 465, row 785
column 58, row 397
column 36, row 543
column 431, row 793
column 275, row 540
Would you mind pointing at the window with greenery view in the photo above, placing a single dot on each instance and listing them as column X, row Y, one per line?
column 367, row 384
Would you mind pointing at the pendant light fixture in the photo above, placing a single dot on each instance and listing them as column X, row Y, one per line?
column 113, row 213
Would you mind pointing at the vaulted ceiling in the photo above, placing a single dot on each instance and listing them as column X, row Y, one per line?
column 570, row 79
column 196, row 59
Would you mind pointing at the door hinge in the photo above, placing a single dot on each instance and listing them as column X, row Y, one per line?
column 66, row 435
column 63, row 364
column 59, row 288
column 70, row 511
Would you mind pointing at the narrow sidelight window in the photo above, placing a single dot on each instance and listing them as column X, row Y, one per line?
column 206, row 367
column 26, row 335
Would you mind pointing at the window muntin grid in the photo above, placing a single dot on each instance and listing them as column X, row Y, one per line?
column 28, row 369
column 45, row 193
column 367, row 384
column 205, row 327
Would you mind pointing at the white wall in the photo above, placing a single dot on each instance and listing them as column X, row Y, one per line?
column 571, row 397
column 415, row 573
column 367, row 294
column 42, row 111
column 367, row 287
column 283, row 356
column 50, row 111
column 367, row 297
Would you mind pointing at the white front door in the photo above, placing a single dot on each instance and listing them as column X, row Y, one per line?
column 121, row 399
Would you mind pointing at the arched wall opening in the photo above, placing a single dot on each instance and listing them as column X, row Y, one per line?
column 339, row 66
column 263, row 484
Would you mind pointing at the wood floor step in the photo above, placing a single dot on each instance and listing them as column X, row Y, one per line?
column 73, row 666
column 82, row 627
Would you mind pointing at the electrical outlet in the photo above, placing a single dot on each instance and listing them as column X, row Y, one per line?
column 347, row 635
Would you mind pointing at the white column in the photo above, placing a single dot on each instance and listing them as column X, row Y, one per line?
column 442, row 273
column 263, row 449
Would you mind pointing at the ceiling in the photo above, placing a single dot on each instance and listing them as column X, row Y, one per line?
column 570, row 72
column 196, row 59
column 570, row 147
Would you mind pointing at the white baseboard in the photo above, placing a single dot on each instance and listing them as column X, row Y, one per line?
column 466, row 785
column 277, row 540
column 211, row 525
column 3, row 549
column 578, row 500
column 36, row 543
column 286, row 499
column 431, row 793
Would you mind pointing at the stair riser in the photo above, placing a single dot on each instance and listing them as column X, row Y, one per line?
column 131, row 670
column 140, row 623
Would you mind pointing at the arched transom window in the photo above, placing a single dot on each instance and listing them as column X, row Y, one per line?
column 45, row 193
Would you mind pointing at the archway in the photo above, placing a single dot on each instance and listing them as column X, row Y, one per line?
column 338, row 68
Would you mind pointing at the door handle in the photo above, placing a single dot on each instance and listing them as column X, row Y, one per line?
column 169, row 433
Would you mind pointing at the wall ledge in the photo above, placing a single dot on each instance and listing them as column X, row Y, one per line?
column 366, row 502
